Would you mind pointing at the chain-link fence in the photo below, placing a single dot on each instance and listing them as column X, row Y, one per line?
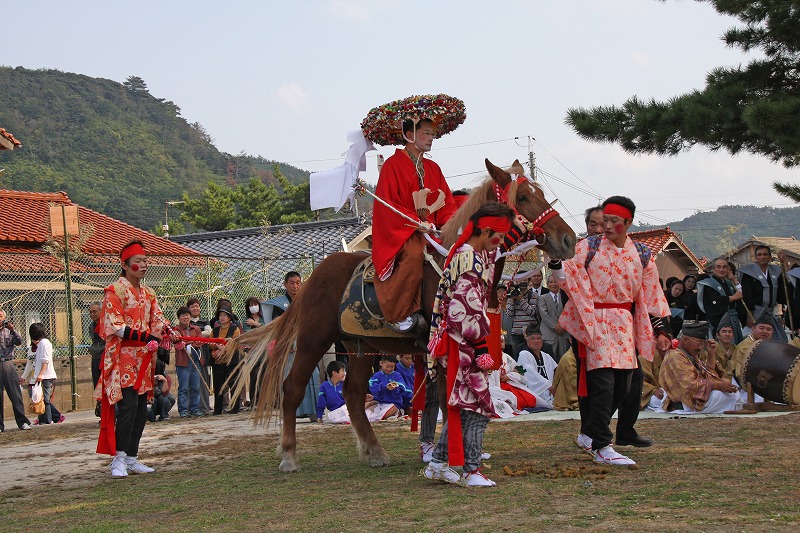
column 31, row 292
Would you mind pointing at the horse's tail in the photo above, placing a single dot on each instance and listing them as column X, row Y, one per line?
column 269, row 349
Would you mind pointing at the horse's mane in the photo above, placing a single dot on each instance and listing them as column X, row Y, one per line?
column 479, row 196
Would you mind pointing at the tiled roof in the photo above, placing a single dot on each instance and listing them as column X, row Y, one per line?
column 790, row 244
column 658, row 239
column 281, row 241
column 9, row 139
column 25, row 228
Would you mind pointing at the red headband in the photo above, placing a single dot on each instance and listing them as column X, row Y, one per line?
column 617, row 210
column 129, row 251
column 497, row 224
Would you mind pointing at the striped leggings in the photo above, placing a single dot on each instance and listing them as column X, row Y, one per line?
column 473, row 426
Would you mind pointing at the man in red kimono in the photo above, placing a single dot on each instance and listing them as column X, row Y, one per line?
column 131, row 324
column 397, row 245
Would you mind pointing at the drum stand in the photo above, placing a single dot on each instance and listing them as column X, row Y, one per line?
column 753, row 406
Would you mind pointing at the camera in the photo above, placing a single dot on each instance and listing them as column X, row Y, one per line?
column 517, row 289
column 5, row 323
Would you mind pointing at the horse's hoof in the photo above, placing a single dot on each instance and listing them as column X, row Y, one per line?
column 288, row 466
column 377, row 461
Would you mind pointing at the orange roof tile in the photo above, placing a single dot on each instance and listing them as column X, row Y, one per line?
column 25, row 227
column 657, row 240
column 10, row 138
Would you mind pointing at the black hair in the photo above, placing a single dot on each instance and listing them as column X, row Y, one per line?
column 461, row 192
column 490, row 209
column 532, row 329
column 411, row 126
column 182, row 310
column 587, row 215
column 334, row 366
column 247, row 305
column 624, row 201
column 191, row 301
column 291, row 274
column 762, row 247
column 36, row 331
column 687, row 276
column 389, row 358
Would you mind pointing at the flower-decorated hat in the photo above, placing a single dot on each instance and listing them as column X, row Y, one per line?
column 384, row 124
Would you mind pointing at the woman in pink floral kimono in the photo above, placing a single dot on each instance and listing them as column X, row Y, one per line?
column 460, row 328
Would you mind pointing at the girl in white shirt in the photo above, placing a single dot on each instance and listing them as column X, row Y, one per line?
column 40, row 368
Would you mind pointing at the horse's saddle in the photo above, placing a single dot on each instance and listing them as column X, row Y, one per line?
column 359, row 312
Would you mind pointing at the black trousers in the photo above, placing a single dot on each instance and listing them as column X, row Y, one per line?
column 631, row 406
column 131, row 418
column 221, row 373
column 9, row 381
column 607, row 389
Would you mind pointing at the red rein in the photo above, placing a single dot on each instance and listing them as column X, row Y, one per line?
column 541, row 220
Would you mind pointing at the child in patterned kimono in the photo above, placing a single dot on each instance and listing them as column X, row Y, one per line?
column 460, row 328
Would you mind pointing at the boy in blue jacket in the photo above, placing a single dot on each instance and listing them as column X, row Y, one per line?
column 388, row 390
column 330, row 395
column 405, row 367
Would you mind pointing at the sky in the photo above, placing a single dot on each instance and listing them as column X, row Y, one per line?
column 288, row 79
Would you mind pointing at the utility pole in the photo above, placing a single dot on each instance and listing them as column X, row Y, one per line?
column 531, row 157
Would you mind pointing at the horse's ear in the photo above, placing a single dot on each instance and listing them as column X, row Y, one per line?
column 499, row 175
column 516, row 168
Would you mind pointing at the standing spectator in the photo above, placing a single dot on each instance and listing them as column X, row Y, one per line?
column 272, row 309
column 506, row 321
column 203, row 325
column 717, row 296
column 254, row 318
column 40, row 368
column 523, row 306
column 188, row 361
column 550, row 307
column 9, row 378
column 761, row 283
column 224, row 330
column 97, row 347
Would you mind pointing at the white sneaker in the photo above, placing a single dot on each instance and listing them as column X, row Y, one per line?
column 476, row 479
column 485, row 456
column 135, row 467
column 609, row 456
column 441, row 472
column 584, row 442
column 118, row 467
column 426, row 451
column 26, row 426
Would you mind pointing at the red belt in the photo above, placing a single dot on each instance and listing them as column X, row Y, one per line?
column 625, row 305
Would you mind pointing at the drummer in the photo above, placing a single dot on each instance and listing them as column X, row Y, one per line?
column 397, row 246
column 691, row 377
column 762, row 331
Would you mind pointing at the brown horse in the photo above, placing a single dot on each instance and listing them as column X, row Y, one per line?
column 312, row 322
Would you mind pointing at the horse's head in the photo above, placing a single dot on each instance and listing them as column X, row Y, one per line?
column 523, row 195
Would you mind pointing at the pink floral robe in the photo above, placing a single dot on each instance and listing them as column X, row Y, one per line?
column 614, row 276
column 463, row 307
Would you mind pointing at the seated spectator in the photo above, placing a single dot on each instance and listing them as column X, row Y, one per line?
column 691, row 378
column 652, row 392
column 405, row 367
column 330, row 395
column 163, row 400
column 565, row 383
column 539, row 367
column 388, row 391
column 509, row 390
column 677, row 305
column 725, row 347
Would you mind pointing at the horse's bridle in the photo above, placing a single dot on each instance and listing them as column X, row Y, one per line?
column 534, row 228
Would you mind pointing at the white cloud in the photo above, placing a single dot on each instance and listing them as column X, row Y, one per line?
column 293, row 96
column 349, row 9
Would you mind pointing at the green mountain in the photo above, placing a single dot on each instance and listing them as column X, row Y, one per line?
column 114, row 147
column 713, row 233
